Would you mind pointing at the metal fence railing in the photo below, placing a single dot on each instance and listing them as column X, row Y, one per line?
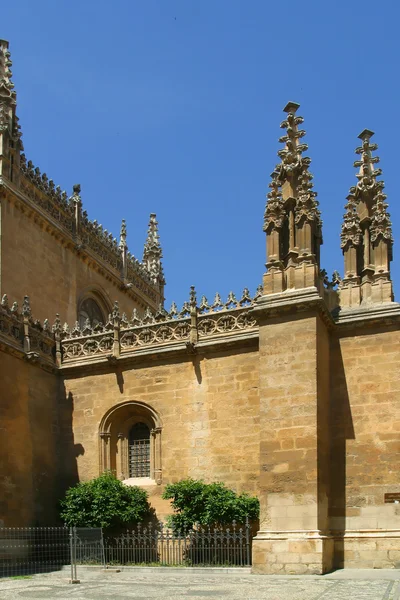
column 208, row 546
column 30, row 550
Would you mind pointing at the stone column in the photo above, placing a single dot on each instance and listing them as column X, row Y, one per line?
column 105, row 452
column 294, row 444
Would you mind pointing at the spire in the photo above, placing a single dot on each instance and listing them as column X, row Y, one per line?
column 11, row 145
column 292, row 219
column 152, row 253
column 366, row 237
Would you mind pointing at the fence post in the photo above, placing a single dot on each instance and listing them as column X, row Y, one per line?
column 248, row 563
column 103, row 549
column 72, row 549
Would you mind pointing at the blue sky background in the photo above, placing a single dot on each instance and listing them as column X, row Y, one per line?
column 174, row 106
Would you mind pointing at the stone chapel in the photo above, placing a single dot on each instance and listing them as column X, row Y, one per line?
column 291, row 393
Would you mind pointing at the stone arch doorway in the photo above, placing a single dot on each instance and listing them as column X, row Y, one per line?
column 130, row 443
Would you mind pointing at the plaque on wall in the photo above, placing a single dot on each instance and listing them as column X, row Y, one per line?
column 392, row 497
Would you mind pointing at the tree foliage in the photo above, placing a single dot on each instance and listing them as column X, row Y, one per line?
column 104, row 502
column 208, row 504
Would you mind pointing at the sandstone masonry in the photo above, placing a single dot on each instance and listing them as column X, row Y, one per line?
column 290, row 392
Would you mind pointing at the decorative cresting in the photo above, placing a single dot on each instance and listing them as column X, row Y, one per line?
column 20, row 333
column 292, row 220
column 366, row 237
column 151, row 332
column 114, row 438
column 10, row 131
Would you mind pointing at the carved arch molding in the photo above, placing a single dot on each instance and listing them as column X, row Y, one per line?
column 114, row 438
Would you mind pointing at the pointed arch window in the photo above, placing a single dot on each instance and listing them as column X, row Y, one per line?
column 90, row 310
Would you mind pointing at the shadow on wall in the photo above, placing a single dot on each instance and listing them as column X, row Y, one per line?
column 342, row 429
column 69, row 451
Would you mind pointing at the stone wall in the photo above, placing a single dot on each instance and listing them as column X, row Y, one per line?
column 294, row 442
column 29, row 453
column 365, row 446
column 36, row 262
column 208, row 406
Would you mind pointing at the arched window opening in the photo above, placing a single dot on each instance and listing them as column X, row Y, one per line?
column 130, row 443
column 139, row 451
column 90, row 310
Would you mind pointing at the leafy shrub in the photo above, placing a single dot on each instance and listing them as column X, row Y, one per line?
column 208, row 504
column 104, row 502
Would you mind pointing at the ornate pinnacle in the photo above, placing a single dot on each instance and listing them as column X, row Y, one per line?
column 367, row 173
column 8, row 118
column 307, row 205
column 291, row 155
column 274, row 214
column 380, row 223
column 351, row 230
column 76, row 190
column 122, row 234
column 57, row 325
column 193, row 298
column 5, row 64
column 153, row 239
column 152, row 252
column 26, row 308
column 115, row 311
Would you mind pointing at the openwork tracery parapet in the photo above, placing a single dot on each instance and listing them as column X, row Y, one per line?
column 34, row 340
column 192, row 324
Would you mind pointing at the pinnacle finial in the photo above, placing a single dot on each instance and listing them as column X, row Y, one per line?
column 291, row 107
column 122, row 234
column 366, row 134
column 367, row 173
column 8, row 118
column 152, row 252
column 5, row 64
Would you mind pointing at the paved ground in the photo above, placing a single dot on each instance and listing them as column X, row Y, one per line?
column 181, row 584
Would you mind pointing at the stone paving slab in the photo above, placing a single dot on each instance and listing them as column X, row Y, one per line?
column 99, row 585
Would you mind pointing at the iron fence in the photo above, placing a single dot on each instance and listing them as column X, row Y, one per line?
column 31, row 550
column 202, row 546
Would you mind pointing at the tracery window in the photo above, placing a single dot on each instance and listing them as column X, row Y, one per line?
column 89, row 309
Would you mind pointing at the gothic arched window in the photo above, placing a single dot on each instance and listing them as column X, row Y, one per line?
column 89, row 309
column 139, row 450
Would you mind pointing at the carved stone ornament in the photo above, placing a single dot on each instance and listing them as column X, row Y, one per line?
column 351, row 229
column 367, row 174
column 380, row 223
column 274, row 215
column 306, row 204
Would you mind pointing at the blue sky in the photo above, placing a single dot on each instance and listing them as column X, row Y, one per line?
column 174, row 106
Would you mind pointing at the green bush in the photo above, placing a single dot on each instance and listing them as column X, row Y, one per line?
column 208, row 504
column 104, row 502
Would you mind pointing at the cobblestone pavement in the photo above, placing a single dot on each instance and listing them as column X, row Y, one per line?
column 99, row 585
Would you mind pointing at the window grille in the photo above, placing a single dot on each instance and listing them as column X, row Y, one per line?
column 139, row 451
